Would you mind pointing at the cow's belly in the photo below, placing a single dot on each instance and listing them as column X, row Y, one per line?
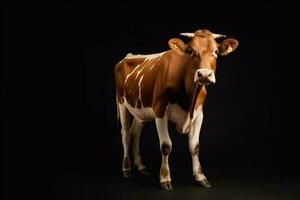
column 143, row 113
column 174, row 112
column 180, row 117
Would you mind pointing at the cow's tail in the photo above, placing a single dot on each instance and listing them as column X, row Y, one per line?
column 118, row 114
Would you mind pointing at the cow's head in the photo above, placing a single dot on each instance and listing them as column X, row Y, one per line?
column 203, row 51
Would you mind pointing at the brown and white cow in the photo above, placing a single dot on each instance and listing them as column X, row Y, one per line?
column 168, row 86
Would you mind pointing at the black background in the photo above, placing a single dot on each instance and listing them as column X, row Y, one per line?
column 59, row 138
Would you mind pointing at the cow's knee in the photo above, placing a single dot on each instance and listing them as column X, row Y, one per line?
column 166, row 148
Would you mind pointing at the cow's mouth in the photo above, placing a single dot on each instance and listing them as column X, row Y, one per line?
column 203, row 82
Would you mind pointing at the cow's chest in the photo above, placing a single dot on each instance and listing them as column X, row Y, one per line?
column 180, row 117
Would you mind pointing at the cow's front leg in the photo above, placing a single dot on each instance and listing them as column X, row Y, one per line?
column 165, row 148
column 194, row 149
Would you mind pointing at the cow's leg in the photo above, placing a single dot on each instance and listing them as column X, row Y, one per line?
column 125, row 123
column 194, row 149
column 135, row 131
column 165, row 148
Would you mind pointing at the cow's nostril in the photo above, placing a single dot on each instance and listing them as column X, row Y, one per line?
column 199, row 74
column 210, row 74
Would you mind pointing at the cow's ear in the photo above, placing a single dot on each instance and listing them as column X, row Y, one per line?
column 177, row 45
column 228, row 46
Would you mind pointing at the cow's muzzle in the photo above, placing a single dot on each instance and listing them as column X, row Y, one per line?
column 204, row 77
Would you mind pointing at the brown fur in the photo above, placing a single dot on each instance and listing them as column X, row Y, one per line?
column 196, row 150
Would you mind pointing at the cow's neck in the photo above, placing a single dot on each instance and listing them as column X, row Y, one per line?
column 189, row 78
column 184, row 91
column 192, row 90
column 189, row 83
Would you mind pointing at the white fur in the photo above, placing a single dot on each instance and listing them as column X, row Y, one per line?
column 135, row 130
column 214, row 54
column 163, row 134
column 152, row 66
column 131, row 73
column 125, row 131
column 180, row 117
column 143, row 113
column 193, row 141
column 139, row 71
column 140, row 91
column 147, row 56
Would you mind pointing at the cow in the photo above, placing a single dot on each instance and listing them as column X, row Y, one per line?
column 168, row 86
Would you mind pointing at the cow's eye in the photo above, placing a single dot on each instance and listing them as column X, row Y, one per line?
column 190, row 51
column 215, row 53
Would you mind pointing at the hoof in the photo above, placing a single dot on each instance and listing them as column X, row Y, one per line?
column 204, row 183
column 144, row 172
column 127, row 174
column 166, row 185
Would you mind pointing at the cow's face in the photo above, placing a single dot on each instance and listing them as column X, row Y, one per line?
column 203, row 51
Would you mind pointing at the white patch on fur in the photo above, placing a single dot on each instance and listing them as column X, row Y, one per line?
column 122, row 110
column 152, row 66
column 140, row 92
column 135, row 130
column 180, row 117
column 143, row 113
column 162, row 128
column 147, row 56
column 131, row 73
column 214, row 54
column 139, row 71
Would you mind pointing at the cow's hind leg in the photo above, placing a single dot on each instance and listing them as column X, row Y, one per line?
column 135, row 131
column 194, row 149
column 125, row 123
